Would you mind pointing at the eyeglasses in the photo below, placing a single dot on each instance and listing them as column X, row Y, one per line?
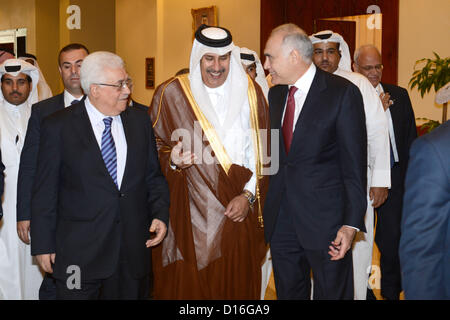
column 377, row 67
column 121, row 85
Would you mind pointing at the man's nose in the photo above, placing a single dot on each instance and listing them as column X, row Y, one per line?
column 216, row 64
column 266, row 64
column 74, row 69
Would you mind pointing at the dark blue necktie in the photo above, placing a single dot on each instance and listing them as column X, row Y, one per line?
column 109, row 150
column 75, row 101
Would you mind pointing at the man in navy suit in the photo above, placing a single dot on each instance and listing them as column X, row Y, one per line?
column 317, row 200
column 69, row 64
column 425, row 238
column 402, row 132
column 99, row 192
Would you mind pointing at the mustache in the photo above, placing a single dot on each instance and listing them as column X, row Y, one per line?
column 15, row 92
column 210, row 70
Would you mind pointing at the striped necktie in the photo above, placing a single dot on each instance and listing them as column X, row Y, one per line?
column 109, row 149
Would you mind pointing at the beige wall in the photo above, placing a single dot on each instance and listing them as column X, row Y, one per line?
column 19, row 14
column 47, row 48
column 424, row 28
column 98, row 25
column 136, row 40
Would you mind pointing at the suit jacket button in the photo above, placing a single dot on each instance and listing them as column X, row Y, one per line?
column 121, row 195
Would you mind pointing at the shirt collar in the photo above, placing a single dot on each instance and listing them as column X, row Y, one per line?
column 68, row 98
column 305, row 81
column 95, row 115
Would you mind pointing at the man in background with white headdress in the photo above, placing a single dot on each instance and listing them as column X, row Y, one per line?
column 331, row 54
column 215, row 245
column 44, row 91
column 20, row 276
column 252, row 65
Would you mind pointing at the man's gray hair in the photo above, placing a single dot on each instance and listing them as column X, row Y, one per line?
column 296, row 39
column 94, row 66
column 360, row 49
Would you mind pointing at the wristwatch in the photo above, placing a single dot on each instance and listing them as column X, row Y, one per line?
column 250, row 197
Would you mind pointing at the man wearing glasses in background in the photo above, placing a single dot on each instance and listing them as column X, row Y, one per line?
column 99, row 193
column 402, row 132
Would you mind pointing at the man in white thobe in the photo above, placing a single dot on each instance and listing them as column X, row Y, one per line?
column 331, row 54
column 20, row 276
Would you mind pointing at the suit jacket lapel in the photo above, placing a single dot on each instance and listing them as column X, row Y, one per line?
column 317, row 86
column 277, row 115
column 396, row 112
column 83, row 129
column 126, row 128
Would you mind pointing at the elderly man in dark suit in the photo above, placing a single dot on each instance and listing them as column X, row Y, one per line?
column 402, row 132
column 317, row 199
column 425, row 238
column 99, row 193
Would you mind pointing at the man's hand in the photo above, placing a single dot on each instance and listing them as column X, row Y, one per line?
column 386, row 100
column 160, row 229
column 23, row 231
column 45, row 261
column 237, row 209
column 181, row 159
column 342, row 243
column 378, row 195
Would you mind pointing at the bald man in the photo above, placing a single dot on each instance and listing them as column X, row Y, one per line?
column 402, row 132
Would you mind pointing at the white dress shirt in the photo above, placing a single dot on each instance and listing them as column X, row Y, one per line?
column 380, row 90
column 68, row 98
column 237, row 142
column 96, row 118
column 303, row 85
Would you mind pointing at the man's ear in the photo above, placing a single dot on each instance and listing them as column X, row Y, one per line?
column 94, row 90
column 295, row 56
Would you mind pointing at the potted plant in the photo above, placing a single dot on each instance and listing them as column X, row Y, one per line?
column 435, row 74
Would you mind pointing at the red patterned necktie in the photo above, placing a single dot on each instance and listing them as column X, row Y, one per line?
column 288, row 122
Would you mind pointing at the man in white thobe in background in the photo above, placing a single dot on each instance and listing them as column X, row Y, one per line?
column 20, row 276
column 254, row 68
column 44, row 91
column 331, row 54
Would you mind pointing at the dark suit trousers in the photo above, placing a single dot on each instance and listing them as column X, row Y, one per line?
column 47, row 290
column 119, row 286
column 387, row 237
column 292, row 265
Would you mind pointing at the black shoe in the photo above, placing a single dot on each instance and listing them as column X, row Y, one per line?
column 370, row 295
